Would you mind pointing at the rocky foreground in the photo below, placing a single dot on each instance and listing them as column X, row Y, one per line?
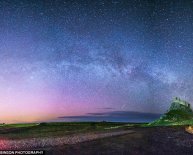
column 145, row 141
column 34, row 143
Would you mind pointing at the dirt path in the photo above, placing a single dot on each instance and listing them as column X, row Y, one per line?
column 50, row 142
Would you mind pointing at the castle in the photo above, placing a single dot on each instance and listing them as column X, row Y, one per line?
column 179, row 104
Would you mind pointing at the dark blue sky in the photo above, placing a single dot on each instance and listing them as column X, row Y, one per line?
column 64, row 58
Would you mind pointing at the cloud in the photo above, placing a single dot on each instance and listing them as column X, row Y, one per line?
column 119, row 116
column 97, row 114
column 106, row 108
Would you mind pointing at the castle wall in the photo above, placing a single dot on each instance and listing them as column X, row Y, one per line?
column 179, row 101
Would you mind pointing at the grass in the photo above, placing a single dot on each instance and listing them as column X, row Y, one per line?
column 20, row 131
column 171, row 123
column 19, row 125
column 173, row 118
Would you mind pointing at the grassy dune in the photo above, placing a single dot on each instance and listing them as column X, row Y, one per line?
column 174, row 117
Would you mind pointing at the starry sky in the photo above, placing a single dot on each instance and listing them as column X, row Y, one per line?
column 78, row 57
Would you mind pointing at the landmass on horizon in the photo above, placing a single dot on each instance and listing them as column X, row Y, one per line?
column 179, row 113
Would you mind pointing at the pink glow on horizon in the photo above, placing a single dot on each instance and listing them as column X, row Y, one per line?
column 40, row 105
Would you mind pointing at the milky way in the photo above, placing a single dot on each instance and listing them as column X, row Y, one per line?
column 65, row 58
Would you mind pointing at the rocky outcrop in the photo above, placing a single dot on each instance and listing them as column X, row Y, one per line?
column 179, row 113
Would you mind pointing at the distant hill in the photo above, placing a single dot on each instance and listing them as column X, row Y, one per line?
column 179, row 113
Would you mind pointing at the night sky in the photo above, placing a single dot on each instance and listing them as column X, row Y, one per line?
column 73, row 58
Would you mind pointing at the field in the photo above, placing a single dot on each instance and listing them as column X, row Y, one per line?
column 21, row 131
